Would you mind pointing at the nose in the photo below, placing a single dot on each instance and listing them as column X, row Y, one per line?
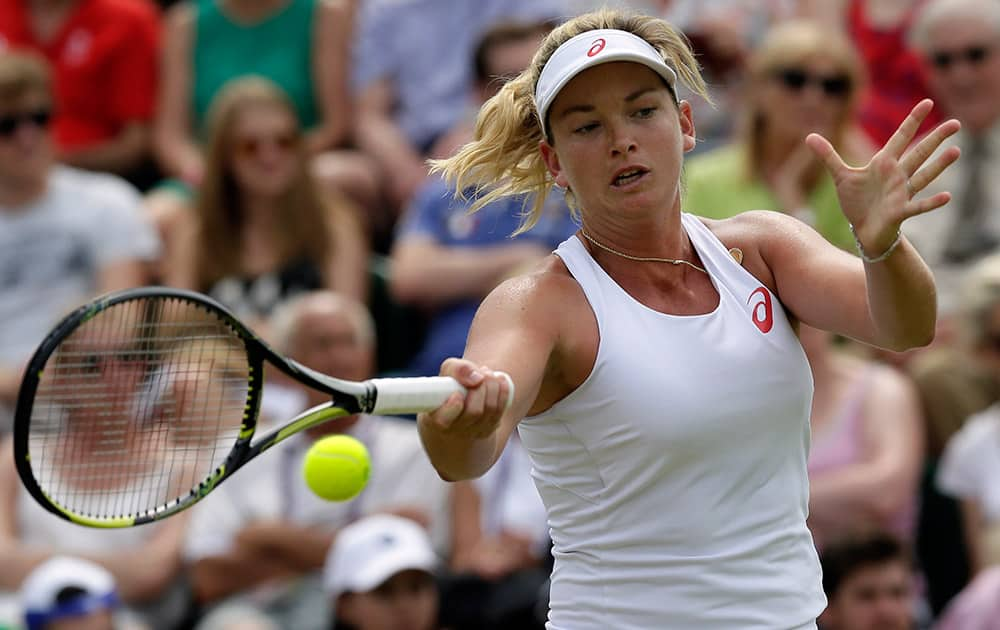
column 622, row 141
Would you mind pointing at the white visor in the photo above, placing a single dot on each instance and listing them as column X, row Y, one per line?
column 589, row 49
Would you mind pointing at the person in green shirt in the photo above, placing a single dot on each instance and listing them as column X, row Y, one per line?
column 800, row 79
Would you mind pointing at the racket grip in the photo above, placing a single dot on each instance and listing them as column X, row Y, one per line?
column 418, row 394
column 413, row 395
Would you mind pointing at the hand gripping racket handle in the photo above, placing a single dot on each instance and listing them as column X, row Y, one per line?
column 424, row 393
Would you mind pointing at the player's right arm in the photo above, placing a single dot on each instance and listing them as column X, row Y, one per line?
column 517, row 330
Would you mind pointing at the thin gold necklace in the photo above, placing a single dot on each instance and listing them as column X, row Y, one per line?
column 672, row 261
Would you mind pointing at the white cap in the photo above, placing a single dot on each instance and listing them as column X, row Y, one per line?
column 589, row 49
column 41, row 589
column 368, row 552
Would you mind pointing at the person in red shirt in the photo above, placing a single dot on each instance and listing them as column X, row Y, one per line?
column 104, row 58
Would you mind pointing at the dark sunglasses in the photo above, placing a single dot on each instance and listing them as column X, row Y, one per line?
column 10, row 123
column 252, row 146
column 973, row 55
column 833, row 86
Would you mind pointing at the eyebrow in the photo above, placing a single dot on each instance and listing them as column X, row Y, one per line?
column 585, row 108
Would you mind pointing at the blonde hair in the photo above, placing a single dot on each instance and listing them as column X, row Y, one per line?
column 791, row 44
column 503, row 159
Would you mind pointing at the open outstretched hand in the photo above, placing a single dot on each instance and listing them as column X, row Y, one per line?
column 877, row 197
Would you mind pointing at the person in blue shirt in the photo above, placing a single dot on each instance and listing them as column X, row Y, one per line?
column 444, row 258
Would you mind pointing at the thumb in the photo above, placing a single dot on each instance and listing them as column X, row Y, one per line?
column 825, row 152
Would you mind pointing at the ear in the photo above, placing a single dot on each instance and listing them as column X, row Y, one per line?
column 690, row 137
column 551, row 159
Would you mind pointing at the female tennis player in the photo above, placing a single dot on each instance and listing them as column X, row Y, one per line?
column 661, row 390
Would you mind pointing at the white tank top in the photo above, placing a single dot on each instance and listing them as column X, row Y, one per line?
column 675, row 476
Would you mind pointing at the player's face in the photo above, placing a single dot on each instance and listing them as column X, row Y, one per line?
column 618, row 140
column 800, row 98
column 265, row 150
column 25, row 143
column 963, row 60
column 875, row 598
column 406, row 601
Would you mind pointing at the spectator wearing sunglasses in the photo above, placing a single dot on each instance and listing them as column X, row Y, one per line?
column 104, row 67
column 896, row 79
column 959, row 41
column 802, row 78
column 65, row 234
column 261, row 229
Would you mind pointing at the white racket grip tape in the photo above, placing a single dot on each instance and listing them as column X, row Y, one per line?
column 418, row 394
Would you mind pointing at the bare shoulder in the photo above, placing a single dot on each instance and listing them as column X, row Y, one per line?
column 756, row 234
column 544, row 292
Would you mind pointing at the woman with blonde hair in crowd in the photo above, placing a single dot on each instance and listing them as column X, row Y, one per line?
column 260, row 229
column 651, row 366
column 801, row 78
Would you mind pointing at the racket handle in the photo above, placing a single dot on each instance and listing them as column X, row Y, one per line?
column 418, row 394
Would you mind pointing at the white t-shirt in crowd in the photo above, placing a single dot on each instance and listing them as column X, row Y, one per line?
column 970, row 466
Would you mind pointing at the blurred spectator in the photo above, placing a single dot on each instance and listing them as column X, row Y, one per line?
column 802, row 78
column 867, row 449
column 869, row 585
column 257, row 544
column 301, row 45
column 413, row 73
column 896, row 75
column 66, row 593
column 261, row 230
column 379, row 575
column 145, row 561
column 956, row 381
column 104, row 60
column 65, row 234
column 501, row 561
column 970, row 466
column 960, row 42
column 445, row 259
column 977, row 607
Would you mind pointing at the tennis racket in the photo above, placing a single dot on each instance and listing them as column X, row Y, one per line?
column 137, row 405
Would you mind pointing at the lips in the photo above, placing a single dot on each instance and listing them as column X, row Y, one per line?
column 628, row 175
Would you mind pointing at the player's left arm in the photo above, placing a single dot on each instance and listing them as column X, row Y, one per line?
column 889, row 301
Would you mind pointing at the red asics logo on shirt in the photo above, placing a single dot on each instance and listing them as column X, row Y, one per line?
column 596, row 47
column 763, row 318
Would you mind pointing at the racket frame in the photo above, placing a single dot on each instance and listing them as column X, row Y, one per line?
column 348, row 397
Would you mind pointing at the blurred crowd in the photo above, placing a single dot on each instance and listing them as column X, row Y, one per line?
column 273, row 154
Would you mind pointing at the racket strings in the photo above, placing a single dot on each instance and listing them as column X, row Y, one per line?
column 137, row 407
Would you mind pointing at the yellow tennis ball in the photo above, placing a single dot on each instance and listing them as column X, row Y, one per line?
column 336, row 467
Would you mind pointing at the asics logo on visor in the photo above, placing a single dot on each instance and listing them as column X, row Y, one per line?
column 596, row 47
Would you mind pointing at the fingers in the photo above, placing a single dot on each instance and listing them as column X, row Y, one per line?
column 927, row 174
column 915, row 157
column 478, row 413
column 920, row 206
column 826, row 153
column 908, row 129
